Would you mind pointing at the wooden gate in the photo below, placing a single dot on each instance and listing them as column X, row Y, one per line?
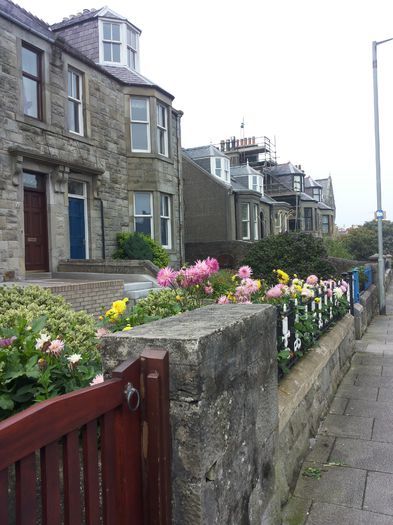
column 93, row 456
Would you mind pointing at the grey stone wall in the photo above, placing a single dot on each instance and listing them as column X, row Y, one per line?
column 304, row 397
column 223, row 392
column 229, row 254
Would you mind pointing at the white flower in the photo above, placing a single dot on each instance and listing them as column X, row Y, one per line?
column 338, row 292
column 44, row 338
column 74, row 359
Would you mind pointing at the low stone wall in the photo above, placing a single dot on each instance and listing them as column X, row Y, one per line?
column 89, row 296
column 224, row 418
column 304, row 397
column 228, row 253
column 345, row 265
column 108, row 266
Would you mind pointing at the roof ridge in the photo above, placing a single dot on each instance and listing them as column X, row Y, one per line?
column 47, row 26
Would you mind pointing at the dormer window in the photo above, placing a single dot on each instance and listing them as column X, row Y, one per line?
column 111, row 42
column 316, row 193
column 220, row 168
column 119, row 44
column 297, row 183
column 256, row 183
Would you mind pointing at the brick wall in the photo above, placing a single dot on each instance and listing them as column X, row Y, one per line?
column 90, row 296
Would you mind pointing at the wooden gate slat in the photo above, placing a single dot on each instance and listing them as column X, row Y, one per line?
column 71, row 474
column 4, row 496
column 50, row 485
column 108, row 462
column 25, row 491
column 90, row 468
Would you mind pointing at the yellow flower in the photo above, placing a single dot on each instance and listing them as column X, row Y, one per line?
column 119, row 306
column 126, row 328
column 234, row 277
column 100, row 318
column 317, row 300
column 283, row 277
column 259, row 284
column 178, row 298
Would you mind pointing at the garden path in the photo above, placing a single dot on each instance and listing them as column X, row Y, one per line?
column 347, row 478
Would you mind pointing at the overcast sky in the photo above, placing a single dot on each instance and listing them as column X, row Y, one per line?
column 298, row 72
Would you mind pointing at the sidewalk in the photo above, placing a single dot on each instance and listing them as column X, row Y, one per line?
column 347, row 478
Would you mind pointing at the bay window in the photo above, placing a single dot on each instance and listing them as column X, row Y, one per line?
column 132, row 48
column 143, row 213
column 245, row 216
column 162, row 130
column 111, row 42
column 165, row 221
column 255, row 218
column 140, row 124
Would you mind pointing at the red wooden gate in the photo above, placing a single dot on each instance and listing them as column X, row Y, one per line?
column 92, row 456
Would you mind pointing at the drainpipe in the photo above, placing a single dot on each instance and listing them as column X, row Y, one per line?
column 102, row 228
column 180, row 218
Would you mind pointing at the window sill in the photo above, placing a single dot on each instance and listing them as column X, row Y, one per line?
column 134, row 154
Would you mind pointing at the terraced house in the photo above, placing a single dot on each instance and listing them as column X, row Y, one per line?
column 88, row 146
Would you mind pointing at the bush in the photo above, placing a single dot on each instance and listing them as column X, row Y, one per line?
column 140, row 247
column 336, row 248
column 297, row 253
column 46, row 348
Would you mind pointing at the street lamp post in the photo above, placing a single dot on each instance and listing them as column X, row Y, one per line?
column 381, row 265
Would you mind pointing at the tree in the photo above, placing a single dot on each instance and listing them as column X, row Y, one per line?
column 362, row 241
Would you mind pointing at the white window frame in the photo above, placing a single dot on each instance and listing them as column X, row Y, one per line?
column 162, row 129
column 144, row 122
column 256, row 222
column 297, row 183
column 131, row 50
column 255, row 183
column 124, row 26
column 75, row 100
column 84, row 198
column 137, row 216
column 245, row 221
column 220, row 167
column 167, row 219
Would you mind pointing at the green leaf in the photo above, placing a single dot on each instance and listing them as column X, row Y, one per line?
column 38, row 324
column 6, row 402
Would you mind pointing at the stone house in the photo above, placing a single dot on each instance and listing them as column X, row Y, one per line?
column 89, row 147
column 224, row 202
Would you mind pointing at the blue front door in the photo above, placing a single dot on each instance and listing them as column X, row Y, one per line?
column 76, row 213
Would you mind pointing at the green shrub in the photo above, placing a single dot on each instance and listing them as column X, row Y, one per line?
column 336, row 248
column 46, row 348
column 143, row 248
column 296, row 253
column 76, row 329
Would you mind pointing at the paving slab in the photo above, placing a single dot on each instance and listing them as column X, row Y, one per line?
column 384, row 381
column 369, row 370
column 383, row 430
column 379, row 496
column 327, row 514
column 338, row 405
column 296, row 512
column 358, row 392
column 385, row 394
column 367, row 359
column 387, row 371
column 367, row 408
column 347, row 426
column 321, row 450
column 339, row 485
column 362, row 454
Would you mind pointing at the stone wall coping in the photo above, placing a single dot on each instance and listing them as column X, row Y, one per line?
column 295, row 386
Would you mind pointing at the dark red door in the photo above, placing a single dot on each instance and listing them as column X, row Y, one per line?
column 36, row 233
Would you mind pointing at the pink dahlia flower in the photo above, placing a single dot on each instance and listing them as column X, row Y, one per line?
column 244, row 272
column 344, row 286
column 312, row 279
column 212, row 264
column 99, row 378
column 223, row 300
column 166, row 276
column 274, row 293
column 208, row 290
column 101, row 332
column 329, row 292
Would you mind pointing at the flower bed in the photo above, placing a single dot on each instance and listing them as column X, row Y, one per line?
column 306, row 307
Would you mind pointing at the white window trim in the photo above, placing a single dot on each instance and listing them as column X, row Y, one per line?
column 161, row 128
column 168, row 220
column 247, row 221
column 84, row 198
column 79, row 102
column 148, row 150
column 256, row 222
column 224, row 168
column 123, row 43
column 145, row 216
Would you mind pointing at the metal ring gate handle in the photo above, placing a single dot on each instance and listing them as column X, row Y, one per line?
column 130, row 391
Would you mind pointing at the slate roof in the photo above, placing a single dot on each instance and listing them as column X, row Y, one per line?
column 305, row 197
column 204, row 151
column 311, row 183
column 88, row 14
column 284, row 169
column 324, row 206
column 22, row 17
column 244, row 169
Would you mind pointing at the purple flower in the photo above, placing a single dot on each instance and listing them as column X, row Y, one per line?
column 212, row 264
column 7, row 342
column 223, row 300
